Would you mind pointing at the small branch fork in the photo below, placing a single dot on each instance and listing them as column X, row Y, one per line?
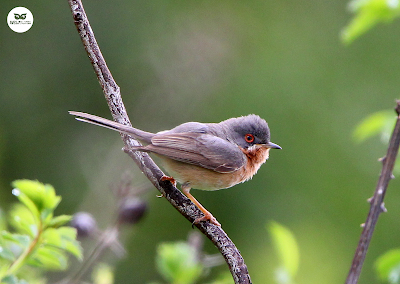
column 377, row 204
column 113, row 96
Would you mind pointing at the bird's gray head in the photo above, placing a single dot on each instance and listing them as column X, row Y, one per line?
column 249, row 130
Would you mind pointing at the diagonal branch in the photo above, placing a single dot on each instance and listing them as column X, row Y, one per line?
column 377, row 204
column 113, row 96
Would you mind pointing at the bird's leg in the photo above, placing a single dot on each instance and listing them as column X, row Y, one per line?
column 207, row 215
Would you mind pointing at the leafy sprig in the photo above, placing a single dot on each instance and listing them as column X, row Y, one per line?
column 39, row 239
column 369, row 13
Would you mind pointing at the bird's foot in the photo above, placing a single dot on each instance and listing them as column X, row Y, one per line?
column 207, row 217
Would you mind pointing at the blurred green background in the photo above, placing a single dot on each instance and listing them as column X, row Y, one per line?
column 179, row 61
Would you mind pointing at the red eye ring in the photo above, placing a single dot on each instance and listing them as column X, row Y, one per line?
column 249, row 138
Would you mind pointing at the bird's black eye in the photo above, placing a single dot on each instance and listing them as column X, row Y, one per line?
column 249, row 138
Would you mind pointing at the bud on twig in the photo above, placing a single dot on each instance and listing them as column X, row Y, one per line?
column 84, row 223
column 131, row 210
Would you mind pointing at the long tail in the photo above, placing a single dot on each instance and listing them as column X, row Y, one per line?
column 96, row 120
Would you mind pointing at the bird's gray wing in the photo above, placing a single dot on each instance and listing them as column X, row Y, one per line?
column 199, row 149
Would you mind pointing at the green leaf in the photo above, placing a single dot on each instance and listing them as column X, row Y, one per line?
column 12, row 279
column 49, row 258
column 22, row 240
column 6, row 253
column 42, row 195
column 388, row 266
column 34, row 190
column 52, row 237
column 50, row 200
column 178, row 263
column 63, row 238
column 68, row 233
column 368, row 14
column 30, row 205
column 59, row 221
column 46, row 215
column 22, row 219
column 9, row 280
column 381, row 122
column 69, row 242
column 74, row 248
column 287, row 249
column 12, row 246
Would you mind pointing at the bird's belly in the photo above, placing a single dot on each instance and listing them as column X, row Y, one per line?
column 201, row 178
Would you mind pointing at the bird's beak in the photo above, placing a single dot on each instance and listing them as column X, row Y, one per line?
column 271, row 145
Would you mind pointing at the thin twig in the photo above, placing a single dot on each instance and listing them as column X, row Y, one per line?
column 377, row 204
column 112, row 93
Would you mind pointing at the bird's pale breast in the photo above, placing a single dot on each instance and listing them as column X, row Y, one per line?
column 201, row 178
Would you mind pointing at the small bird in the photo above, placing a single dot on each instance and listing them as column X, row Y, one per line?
column 207, row 156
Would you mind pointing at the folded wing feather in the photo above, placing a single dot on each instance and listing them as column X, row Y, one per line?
column 199, row 149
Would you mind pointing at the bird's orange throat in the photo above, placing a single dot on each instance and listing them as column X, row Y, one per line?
column 256, row 156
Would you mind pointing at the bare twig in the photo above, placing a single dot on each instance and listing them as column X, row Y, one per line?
column 112, row 93
column 377, row 204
